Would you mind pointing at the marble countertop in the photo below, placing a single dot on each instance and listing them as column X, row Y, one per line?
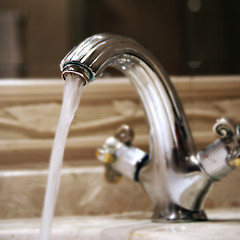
column 222, row 224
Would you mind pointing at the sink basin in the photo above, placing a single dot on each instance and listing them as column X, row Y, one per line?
column 223, row 224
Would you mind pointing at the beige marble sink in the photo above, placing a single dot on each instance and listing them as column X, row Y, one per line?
column 84, row 191
column 223, row 224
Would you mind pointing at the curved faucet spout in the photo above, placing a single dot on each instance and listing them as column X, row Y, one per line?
column 172, row 179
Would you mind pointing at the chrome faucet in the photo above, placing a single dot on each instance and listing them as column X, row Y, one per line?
column 175, row 176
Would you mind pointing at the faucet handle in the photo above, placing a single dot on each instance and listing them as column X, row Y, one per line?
column 223, row 156
column 120, row 157
column 229, row 132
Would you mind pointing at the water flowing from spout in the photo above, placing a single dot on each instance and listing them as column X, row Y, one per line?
column 71, row 99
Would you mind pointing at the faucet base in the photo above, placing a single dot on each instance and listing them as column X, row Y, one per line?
column 176, row 213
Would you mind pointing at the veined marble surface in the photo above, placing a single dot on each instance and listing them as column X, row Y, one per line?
column 84, row 191
column 222, row 224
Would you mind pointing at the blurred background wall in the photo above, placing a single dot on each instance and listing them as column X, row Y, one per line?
column 44, row 35
column 189, row 37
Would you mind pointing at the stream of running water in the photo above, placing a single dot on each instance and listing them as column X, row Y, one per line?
column 71, row 99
